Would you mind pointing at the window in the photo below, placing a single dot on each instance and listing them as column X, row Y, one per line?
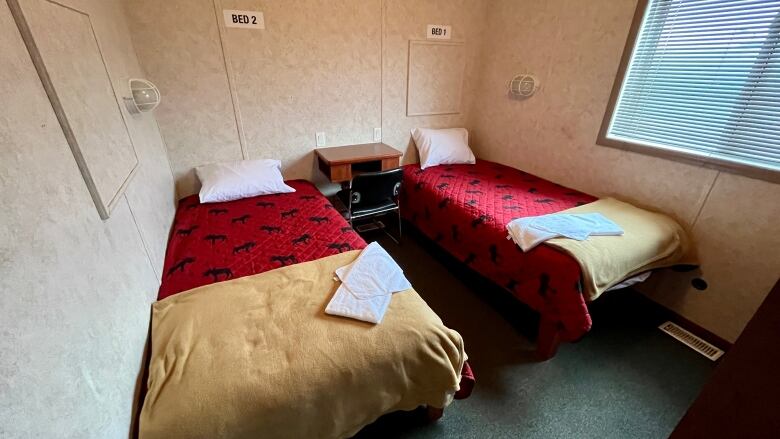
column 700, row 80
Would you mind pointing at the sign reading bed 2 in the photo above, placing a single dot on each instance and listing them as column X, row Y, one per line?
column 435, row 81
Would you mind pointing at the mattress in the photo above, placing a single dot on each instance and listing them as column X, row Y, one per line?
column 218, row 241
column 465, row 209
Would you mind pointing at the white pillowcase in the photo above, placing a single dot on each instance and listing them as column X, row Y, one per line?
column 442, row 147
column 242, row 179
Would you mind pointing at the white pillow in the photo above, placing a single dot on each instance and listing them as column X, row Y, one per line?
column 242, row 179
column 442, row 147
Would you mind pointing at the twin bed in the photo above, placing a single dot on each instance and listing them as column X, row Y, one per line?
column 241, row 346
column 465, row 209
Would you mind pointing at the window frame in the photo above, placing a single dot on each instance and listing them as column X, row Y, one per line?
column 672, row 154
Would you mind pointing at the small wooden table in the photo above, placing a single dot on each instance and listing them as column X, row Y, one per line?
column 340, row 163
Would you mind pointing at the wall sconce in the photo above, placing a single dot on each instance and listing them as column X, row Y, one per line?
column 144, row 96
column 523, row 86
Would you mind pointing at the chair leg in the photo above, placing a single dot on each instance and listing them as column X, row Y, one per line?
column 396, row 240
column 400, row 233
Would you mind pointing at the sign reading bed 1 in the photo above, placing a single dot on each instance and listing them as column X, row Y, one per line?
column 435, row 80
column 438, row 32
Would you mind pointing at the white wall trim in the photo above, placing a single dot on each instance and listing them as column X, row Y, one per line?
column 231, row 78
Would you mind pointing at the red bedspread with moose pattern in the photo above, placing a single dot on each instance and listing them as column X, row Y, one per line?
column 217, row 241
column 465, row 210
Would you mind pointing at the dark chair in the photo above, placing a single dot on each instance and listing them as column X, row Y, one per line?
column 372, row 194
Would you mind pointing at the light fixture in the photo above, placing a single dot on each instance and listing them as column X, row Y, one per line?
column 145, row 96
column 523, row 86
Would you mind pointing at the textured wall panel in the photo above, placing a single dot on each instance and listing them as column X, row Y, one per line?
column 178, row 44
column 151, row 194
column 74, row 67
column 315, row 67
column 435, row 77
column 574, row 51
column 407, row 20
column 73, row 288
column 737, row 237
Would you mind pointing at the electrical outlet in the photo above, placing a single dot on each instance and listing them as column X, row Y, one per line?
column 320, row 138
column 377, row 134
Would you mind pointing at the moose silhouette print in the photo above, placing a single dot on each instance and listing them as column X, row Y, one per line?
column 289, row 213
column 303, row 239
column 215, row 238
column 271, row 229
column 179, row 266
column 285, row 259
column 215, row 273
column 241, row 219
column 479, row 221
column 246, row 247
column 340, row 246
column 186, row 232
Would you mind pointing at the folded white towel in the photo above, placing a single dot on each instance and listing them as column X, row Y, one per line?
column 531, row 231
column 367, row 286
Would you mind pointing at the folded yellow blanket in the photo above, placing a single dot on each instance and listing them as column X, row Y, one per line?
column 257, row 357
column 651, row 240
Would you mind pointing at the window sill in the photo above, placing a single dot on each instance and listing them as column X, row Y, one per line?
column 769, row 175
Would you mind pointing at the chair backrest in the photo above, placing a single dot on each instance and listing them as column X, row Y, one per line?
column 375, row 187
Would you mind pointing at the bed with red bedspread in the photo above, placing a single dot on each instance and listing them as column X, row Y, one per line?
column 218, row 241
column 465, row 210
column 214, row 242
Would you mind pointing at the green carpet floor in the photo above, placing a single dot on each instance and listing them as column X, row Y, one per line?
column 625, row 379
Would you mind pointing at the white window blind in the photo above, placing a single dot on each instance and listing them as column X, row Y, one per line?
column 704, row 79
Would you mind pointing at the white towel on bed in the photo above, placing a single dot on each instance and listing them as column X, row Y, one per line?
column 531, row 231
column 367, row 286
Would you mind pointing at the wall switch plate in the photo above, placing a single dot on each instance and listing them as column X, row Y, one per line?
column 320, row 138
column 377, row 134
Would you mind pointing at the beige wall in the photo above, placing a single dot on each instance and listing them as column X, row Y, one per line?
column 74, row 290
column 574, row 48
column 320, row 65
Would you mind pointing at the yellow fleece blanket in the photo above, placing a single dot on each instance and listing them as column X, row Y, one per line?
column 257, row 357
column 651, row 240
